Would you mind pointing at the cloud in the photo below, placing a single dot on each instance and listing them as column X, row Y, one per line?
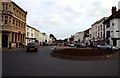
column 65, row 17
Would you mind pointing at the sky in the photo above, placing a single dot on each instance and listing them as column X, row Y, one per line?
column 64, row 18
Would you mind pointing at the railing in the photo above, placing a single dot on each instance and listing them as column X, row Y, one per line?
column 6, row 12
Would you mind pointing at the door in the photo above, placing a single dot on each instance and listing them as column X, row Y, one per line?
column 4, row 40
column 114, row 42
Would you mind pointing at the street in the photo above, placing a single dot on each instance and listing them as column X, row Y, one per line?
column 18, row 62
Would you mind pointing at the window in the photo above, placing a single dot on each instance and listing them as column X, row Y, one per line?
column 31, row 34
column 27, row 34
column 98, row 35
column 101, row 34
column 13, row 21
column 27, row 28
column 6, row 6
column 3, row 6
column 19, row 23
column 2, row 18
column 98, row 28
column 6, row 19
column 16, row 23
column 14, row 9
column 90, row 35
column 9, row 20
column 108, row 34
column 101, row 27
column 108, row 24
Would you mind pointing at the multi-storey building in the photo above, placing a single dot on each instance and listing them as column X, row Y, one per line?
column 13, row 24
column 86, row 36
column 30, row 34
column 113, row 28
column 79, row 37
column 34, row 35
column 97, row 31
column 101, row 30
column 94, row 33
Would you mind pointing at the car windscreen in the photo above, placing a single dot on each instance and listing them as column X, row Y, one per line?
column 31, row 44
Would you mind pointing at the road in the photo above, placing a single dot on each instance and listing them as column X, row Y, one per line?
column 18, row 62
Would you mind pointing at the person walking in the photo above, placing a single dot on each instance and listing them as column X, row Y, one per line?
column 10, row 45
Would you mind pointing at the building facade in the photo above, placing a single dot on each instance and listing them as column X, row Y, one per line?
column 79, row 37
column 97, row 31
column 113, row 28
column 13, row 24
column 86, row 37
column 30, row 34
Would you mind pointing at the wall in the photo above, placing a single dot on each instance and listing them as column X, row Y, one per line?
column 114, row 28
column 119, row 5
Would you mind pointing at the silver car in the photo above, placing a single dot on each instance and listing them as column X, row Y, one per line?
column 82, row 45
column 106, row 46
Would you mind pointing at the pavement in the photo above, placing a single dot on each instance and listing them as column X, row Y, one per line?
column 18, row 62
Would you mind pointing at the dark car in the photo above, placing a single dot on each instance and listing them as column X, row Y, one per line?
column 32, row 47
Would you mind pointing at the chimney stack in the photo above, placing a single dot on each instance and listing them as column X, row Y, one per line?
column 114, row 9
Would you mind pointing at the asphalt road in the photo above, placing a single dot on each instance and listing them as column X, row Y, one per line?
column 18, row 62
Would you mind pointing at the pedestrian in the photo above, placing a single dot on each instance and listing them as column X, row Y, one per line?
column 55, row 47
column 10, row 45
column 16, row 45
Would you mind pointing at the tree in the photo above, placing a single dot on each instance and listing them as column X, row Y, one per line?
column 52, row 37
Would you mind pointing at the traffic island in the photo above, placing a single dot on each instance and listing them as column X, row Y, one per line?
column 84, row 54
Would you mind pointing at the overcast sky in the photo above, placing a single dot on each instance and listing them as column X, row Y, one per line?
column 64, row 18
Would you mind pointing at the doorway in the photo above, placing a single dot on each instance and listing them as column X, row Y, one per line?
column 4, row 40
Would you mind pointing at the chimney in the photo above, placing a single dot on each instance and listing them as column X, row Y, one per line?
column 114, row 9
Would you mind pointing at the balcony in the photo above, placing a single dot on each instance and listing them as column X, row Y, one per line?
column 6, row 12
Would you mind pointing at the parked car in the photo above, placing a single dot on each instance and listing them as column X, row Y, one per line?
column 106, row 46
column 32, row 47
column 72, row 45
column 82, row 45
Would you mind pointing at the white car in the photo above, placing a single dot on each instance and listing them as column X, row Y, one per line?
column 82, row 45
column 71, row 45
column 106, row 46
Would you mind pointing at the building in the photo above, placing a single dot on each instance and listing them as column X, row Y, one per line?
column 101, row 30
column 118, row 5
column 13, row 24
column 93, row 33
column 112, row 24
column 79, row 37
column 86, row 37
column 97, row 31
column 30, row 34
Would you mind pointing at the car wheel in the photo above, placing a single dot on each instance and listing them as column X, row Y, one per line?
column 36, row 50
column 109, row 49
column 27, row 50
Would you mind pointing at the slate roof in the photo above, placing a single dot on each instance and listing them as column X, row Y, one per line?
column 116, row 15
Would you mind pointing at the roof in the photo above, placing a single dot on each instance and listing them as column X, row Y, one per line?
column 19, row 7
column 103, row 19
column 116, row 15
